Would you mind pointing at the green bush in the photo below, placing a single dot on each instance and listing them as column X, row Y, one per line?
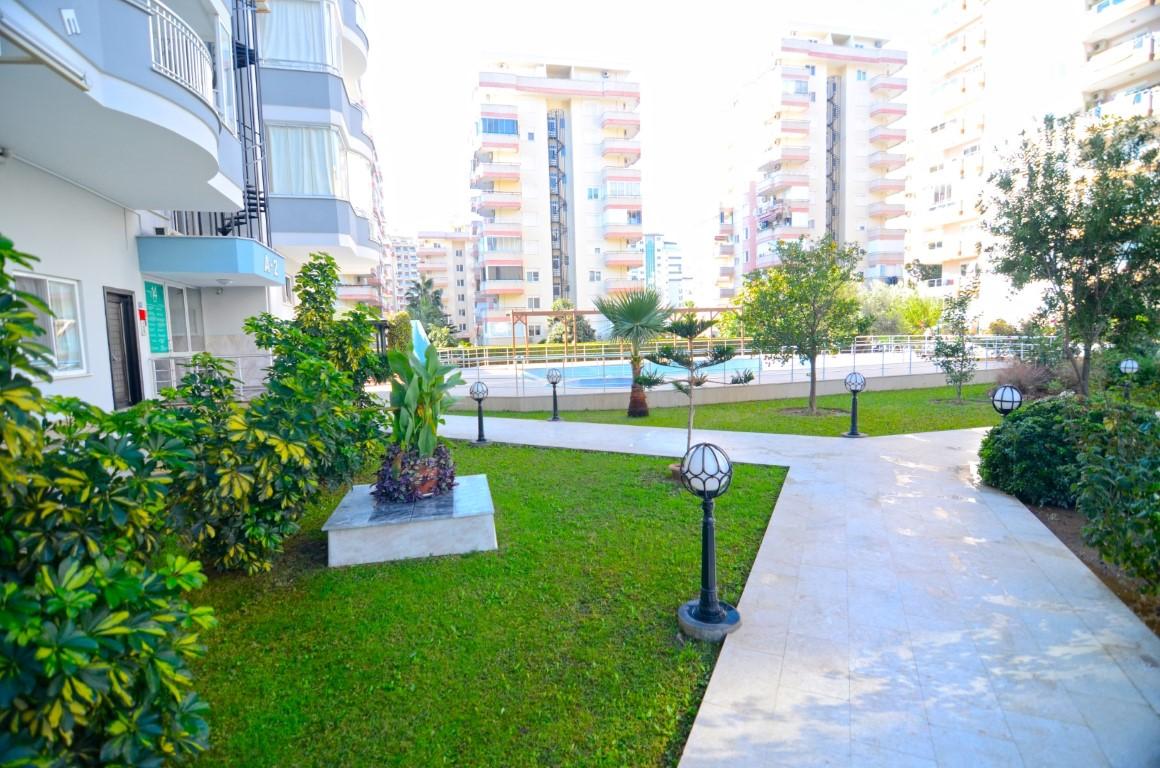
column 1119, row 491
column 95, row 632
column 399, row 334
column 1033, row 453
column 1145, row 383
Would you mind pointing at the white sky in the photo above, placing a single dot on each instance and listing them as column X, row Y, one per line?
column 689, row 57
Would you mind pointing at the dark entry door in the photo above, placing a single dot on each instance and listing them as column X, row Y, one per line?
column 124, row 359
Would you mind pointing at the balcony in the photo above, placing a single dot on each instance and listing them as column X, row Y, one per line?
column 885, row 136
column 358, row 293
column 1121, row 64
column 1140, row 103
column 354, row 39
column 497, row 142
column 304, row 225
column 620, row 174
column 501, row 259
column 892, row 256
column 125, row 109
column 487, row 203
column 785, row 155
column 795, row 127
column 609, row 89
column 287, row 93
column 207, row 261
column 796, row 102
column 627, row 122
column 502, row 229
column 884, row 233
column 1109, row 19
column 620, row 151
column 887, row 112
column 617, row 285
column 727, row 293
column 887, row 85
column 793, row 47
column 776, row 182
column 622, row 202
column 887, row 161
column 629, row 259
column 886, row 210
column 791, row 72
column 436, row 251
column 725, row 249
column 887, row 186
column 486, row 173
column 726, row 273
column 502, row 287
column 782, row 232
column 623, row 231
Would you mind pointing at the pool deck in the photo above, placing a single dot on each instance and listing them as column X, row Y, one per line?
column 900, row 614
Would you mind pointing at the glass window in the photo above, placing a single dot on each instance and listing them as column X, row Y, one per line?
column 361, row 185
column 61, row 330
column 594, row 193
column 534, row 303
column 307, row 161
column 622, row 189
column 533, row 276
column 196, row 321
column 594, row 276
column 225, row 97
column 503, row 126
column 301, row 34
column 178, row 333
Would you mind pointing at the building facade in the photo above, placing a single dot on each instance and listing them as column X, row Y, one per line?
column 817, row 152
column 145, row 123
column 1122, row 71
column 447, row 258
column 664, row 270
column 557, row 190
column 403, row 259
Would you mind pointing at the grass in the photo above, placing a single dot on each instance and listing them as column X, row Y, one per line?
column 560, row 649
column 893, row 412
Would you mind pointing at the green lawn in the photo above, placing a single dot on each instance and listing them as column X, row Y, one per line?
column 892, row 412
column 560, row 649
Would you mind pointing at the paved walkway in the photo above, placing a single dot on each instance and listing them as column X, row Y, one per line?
column 899, row 615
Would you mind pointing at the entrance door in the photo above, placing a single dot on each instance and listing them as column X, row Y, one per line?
column 124, row 359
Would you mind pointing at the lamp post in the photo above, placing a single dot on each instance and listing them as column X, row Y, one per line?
column 478, row 392
column 1006, row 399
column 855, row 383
column 1128, row 367
column 706, row 472
column 554, row 377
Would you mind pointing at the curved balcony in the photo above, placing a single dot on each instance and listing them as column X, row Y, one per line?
column 355, row 44
column 887, row 112
column 618, row 285
column 555, row 87
column 287, row 94
column 887, row 186
column 125, row 110
column 620, row 151
column 304, row 225
column 886, row 210
column 1108, row 19
column 890, row 85
column 794, row 73
column 888, row 161
column 629, row 259
column 498, row 142
column 627, row 122
column 501, row 259
column 887, row 136
column 784, row 232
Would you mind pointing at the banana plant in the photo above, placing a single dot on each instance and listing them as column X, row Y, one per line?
column 420, row 395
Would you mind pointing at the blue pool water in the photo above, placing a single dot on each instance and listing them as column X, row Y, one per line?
column 597, row 376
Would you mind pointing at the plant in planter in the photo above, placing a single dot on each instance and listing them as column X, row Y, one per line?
column 417, row 465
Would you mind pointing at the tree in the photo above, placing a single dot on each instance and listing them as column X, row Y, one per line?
column 805, row 305
column 952, row 354
column 560, row 328
column 919, row 314
column 881, row 307
column 425, row 304
column 1078, row 211
column 688, row 327
column 729, row 325
column 636, row 317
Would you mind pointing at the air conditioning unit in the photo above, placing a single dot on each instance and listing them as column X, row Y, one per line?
column 166, row 232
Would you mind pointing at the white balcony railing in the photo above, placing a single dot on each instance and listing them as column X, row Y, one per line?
column 178, row 52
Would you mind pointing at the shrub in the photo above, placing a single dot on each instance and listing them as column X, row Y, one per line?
column 95, row 632
column 1119, row 491
column 1029, row 378
column 1145, row 383
column 399, row 334
column 1033, row 453
column 1001, row 327
column 744, row 376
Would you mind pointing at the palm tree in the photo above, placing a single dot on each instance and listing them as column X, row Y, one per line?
column 425, row 304
column 636, row 316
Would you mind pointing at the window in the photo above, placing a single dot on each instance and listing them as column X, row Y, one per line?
column 500, row 245
column 225, row 97
column 458, row 267
column 459, row 253
column 813, row 69
column 462, row 326
column 533, row 276
column 502, row 273
column 307, row 161
column 301, row 34
column 531, row 136
column 622, row 189
column 462, row 298
column 459, row 283
column 594, row 193
column 860, row 74
column 972, row 150
column 186, row 326
column 963, row 270
column 934, row 245
column 535, row 330
column 62, row 330
column 941, row 195
column 505, row 126
column 533, row 302
column 594, row 276
column 634, row 217
column 801, row 87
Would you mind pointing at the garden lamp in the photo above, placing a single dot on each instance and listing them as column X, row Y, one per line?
column 706, row 472
column 1128, row 367
column 1006, row 399
column 478, row 392
column 554, row 377
column 855, row 383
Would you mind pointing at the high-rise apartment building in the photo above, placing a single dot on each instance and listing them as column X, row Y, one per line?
column 1122, row 44
column 816, row 152
column 664, row 270
column 980, row 90
column 404, row 263
column 447, row 258
column 725, row 261
column 555, row 150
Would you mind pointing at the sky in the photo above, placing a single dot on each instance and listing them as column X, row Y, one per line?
column 688, row 57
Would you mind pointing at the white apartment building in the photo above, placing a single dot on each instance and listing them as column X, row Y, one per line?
column 142, row 125
column 1122, row 73
column 664, row 270
column 725, row 260
column 447, row 257
column 557, row 190
column 980, row 89
column 816, row 152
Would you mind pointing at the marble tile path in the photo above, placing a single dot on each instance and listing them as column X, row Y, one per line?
column 898, row 614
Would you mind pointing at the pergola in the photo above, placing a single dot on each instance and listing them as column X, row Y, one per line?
column 570, row 315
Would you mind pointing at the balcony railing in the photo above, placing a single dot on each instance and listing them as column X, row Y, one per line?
column 775, row 182
column 887, row 160
column 630, row 231
column 491, row 201
column 502, row 287
column 886, row 210
column 887, row 186
column 622, row 286
column 887, row 84
column 625, row 202
column 621, row 121
column 795, row 126
column 628, row 149
column 886, row 112
column 178, row 52
column 630, row 259
column 887, row 136
column 1107, row 66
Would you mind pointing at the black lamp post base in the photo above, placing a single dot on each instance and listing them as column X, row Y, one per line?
column 702, row 630
column 479, row 442
column 853, row 434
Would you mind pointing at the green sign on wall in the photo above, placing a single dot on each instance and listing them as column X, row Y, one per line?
column 156, row 318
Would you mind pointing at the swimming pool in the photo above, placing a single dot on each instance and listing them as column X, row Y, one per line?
column 619, row 375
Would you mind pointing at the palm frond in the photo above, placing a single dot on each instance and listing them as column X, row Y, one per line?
column 636, row 316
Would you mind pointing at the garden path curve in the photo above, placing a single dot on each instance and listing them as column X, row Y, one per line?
column 899, row 614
